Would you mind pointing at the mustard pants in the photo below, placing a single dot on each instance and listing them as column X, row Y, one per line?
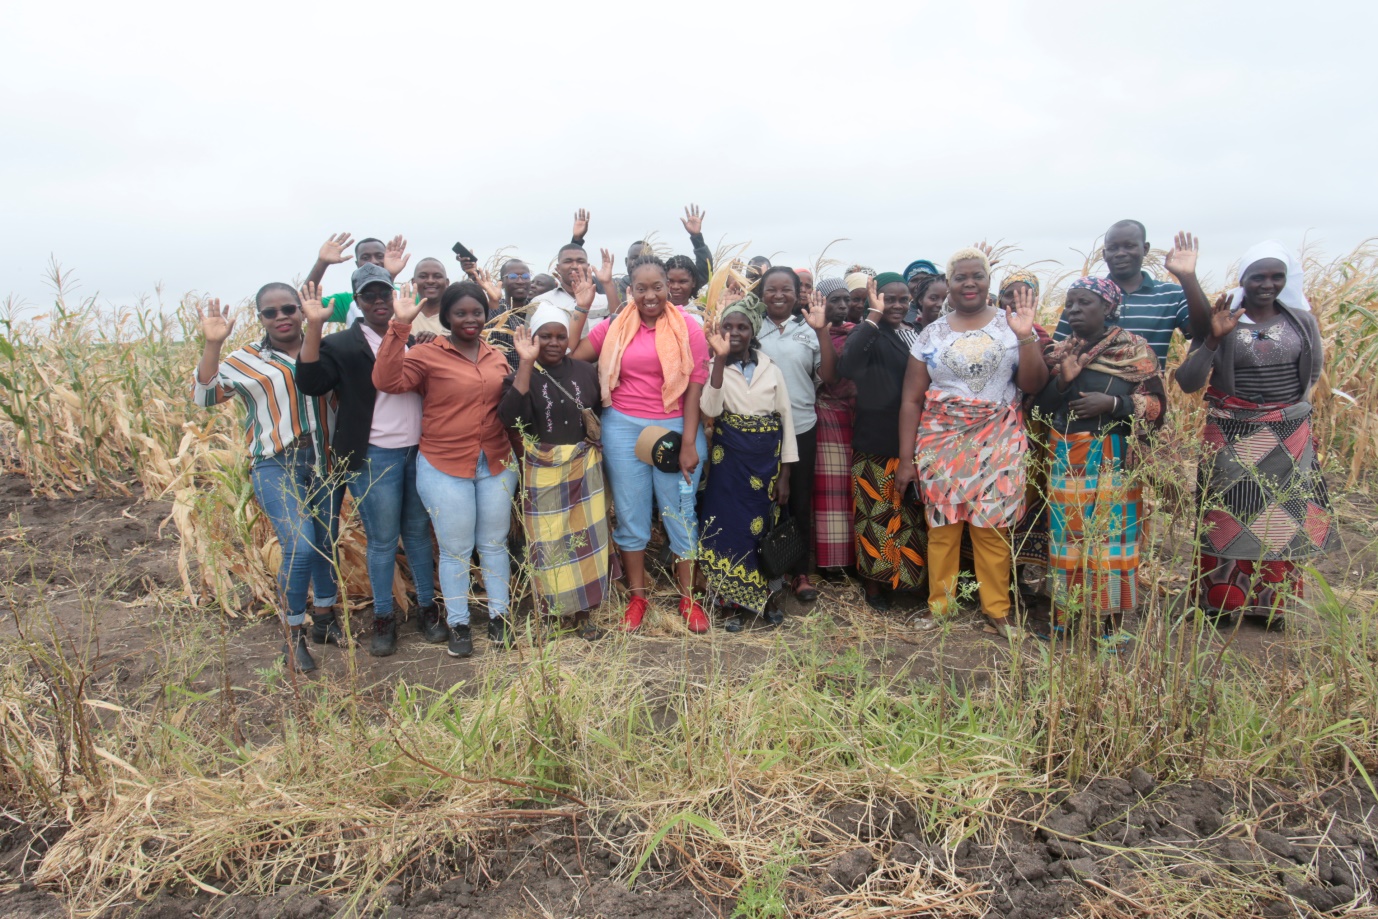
column 991, row 548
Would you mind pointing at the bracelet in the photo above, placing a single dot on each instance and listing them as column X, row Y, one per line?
column 1031, row 340
column 580, row 309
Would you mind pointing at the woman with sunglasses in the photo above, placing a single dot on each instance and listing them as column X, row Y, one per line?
column 287, row 435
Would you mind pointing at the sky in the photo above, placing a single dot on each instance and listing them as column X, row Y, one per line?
column 208, row 149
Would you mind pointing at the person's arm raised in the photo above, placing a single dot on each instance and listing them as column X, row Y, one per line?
column 581, row 227
column 1033, row 370
column 817, row 319
column 583, row 301
column 315, row 375
column 604, row 275
column 392, row 371
column 332, row 253
column 1181, row 261
column 216, row 326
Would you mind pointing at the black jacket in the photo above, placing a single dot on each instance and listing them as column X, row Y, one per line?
column 345, row 366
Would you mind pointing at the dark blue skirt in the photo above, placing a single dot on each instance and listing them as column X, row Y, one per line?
column 736, row 507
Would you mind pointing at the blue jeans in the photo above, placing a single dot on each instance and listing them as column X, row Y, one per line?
column 468, row 514
column 384, row 491
column 305, row 513
column 635, row 483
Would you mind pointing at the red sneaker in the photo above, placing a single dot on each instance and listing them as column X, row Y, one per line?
column 694, row 616
column 636, row 611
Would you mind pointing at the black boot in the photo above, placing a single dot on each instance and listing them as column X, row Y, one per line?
column 295, row 654
column 461, row 641
column 500, row 633
column 325, row 629
column 384, row 636
column 431, row 624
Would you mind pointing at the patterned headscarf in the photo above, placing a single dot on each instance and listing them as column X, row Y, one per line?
column 829, row 286
column 919, row 266
column 745, row 308
column 1022, row 276
column 1104, row 288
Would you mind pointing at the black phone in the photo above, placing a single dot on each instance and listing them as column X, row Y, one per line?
column 464, row 253
column 911, row 494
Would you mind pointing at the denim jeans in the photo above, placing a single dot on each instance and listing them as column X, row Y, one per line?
column 305, row 513
column 635, row 483
column 468, row 514
column 384, row 491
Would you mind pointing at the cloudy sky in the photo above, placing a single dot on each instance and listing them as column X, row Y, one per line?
column 212, row 148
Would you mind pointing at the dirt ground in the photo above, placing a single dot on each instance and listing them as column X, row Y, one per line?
column 1055, row 858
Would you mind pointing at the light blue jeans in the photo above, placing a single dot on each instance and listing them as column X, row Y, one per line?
column 384, row 490
column 305, row 513
column 468, row 514
column 635, row 484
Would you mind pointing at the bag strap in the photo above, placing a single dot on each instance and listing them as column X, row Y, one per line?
column 556, row 383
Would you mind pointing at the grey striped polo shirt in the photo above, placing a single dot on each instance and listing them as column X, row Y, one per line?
column 1153, row 311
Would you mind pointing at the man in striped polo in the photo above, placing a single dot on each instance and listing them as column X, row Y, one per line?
column 1153, row 308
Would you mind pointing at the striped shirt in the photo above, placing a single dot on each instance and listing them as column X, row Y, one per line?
column 1153, row 311
column 276, row 412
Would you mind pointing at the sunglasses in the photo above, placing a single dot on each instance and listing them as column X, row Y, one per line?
column 513, row 276
column 272, row 312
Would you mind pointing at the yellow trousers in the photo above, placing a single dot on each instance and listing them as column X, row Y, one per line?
column 991, row 548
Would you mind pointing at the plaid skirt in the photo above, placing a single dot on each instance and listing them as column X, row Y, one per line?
column 834, row 535
column 1095, row 509
column 565, row 510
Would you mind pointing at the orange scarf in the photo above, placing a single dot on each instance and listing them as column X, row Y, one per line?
column 672, row 347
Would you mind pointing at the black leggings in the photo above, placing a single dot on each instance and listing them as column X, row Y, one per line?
column 801, row 491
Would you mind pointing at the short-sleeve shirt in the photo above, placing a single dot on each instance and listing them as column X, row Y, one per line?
column 639, row 381
column 795, row 350
column 1154, row 311
column 978, row 364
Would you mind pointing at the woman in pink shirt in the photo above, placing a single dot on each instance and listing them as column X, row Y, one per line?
column 652, row 364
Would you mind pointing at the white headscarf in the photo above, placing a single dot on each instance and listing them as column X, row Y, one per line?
column 546, row 313
column 1293, row 294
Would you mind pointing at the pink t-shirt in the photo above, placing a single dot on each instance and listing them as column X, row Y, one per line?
column 638, row 391
column 396, row 417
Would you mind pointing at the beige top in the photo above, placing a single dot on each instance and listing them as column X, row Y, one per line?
column 424, row 323
column 765, row 394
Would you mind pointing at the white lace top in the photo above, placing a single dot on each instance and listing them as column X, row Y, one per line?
column 979, row 364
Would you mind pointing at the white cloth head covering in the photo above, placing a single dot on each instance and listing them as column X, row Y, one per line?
column 1293, row 295
column 547, row 313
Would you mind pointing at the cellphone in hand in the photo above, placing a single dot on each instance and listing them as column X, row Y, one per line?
column 461, row 251
column 911, row 494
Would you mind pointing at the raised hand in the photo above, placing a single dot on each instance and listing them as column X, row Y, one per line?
column 873, row 297
column 395, row 255
column 404, row 305
column 490, row 286
column 693, row 220
column 526, row 346
column 581, row 223
column 584, row 291
column 333, row 249
column 1020, row 315
column 1181, row 261
column 315, row 312
column 469, row 266
column 216, row 324
column 604, row 272
column 1071, row 367
column 989, row 252
column 1223, row 319
column 816, row 314
column 717, row 340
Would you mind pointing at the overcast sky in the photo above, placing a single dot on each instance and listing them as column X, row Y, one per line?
column 212, row 148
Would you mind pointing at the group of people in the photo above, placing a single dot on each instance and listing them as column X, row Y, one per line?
column 884, row 424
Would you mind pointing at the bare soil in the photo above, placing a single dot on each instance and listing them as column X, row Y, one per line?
column 1092, row 851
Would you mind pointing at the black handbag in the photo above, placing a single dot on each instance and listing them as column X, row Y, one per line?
column 782, row 547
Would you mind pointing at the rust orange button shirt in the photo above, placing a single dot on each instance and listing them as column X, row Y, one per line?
column 459, row 398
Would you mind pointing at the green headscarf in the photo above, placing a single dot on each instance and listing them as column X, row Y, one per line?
column 747, row 306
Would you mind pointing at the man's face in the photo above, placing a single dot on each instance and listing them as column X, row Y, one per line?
column 634, row 252
column 516, row 281
column 430, row 279
column 1125, row 250
column 571, row 265
column 370, row 252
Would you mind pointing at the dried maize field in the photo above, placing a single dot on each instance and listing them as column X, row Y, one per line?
column 156, row 760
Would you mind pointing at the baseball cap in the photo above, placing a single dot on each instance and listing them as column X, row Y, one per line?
column 367, row 274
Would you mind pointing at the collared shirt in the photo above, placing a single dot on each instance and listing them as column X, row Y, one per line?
column 396, row 416
column 459, row 398
column 795, row 350
column 565, row 301
column 277, row 413
column 762, row 392
column 1153, row 311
